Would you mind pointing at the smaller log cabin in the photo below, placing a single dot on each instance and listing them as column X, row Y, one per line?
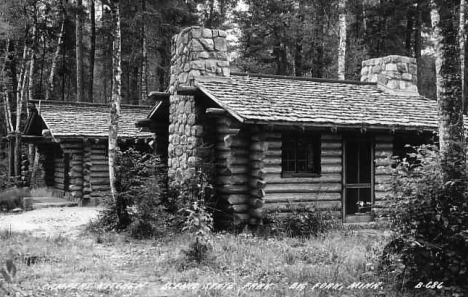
column 280, row 143
column 72, row 141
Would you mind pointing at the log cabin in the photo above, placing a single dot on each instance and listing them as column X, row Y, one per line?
column 281, row 143
column 72, row 140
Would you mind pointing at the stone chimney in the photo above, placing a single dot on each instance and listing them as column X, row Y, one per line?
column 195, row 52
column 394, row 73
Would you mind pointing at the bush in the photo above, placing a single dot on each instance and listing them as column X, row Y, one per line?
column 303, row 222
column 430, row 223
column 139, row 209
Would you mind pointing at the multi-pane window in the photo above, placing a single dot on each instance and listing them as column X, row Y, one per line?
column 301, row 154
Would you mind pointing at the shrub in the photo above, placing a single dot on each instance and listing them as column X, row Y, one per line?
column 12, row 198
column 302, row 222
column 430, row 223
column 139, row 207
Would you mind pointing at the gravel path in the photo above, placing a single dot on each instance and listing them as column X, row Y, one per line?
column 49, row 222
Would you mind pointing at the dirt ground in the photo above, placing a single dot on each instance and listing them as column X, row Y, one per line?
column 49, row 222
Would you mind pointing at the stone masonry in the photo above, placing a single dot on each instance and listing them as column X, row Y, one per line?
column 398, row 73
column 196, row 52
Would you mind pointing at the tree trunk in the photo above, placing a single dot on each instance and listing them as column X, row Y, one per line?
column 32, row 62
column 462, row 40
column 53, row 67
column 144, row 56
column 342, row 44
column 116, row 96
column 10, row 77
column 418, row 42
column 79, row 52
column 92, row 51
column 449, row 97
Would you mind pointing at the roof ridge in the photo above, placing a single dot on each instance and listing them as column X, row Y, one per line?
column 86, row 104
column 302, row 78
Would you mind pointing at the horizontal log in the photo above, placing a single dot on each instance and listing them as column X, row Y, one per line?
column 274, row 145
column 383, row 179
column 300, row 197
column 256, row 202
column 272, row 169
column 320, row 204
column 284, row 214
column 333, row 160
column 256, row 165
column 235, row 141
column 215, row 112
column 235, row 199
column 222, row 169
column 227, row 130
column 241, row 217
column 73, row 151
column 259, row 146
column 235, row 208
column 68, row 145
column 234, row 160
column 331, row 145
column 258, row 193
column 232, row 154
column 328, row 136
column 258, row 213
column 101, row 187
column 383, row 187
column 273, row 153
column 225, row 121
column 382, row 146
column 257, row 183
column 237, row 179
column 272, row 161
column 101, row 180
column 274, row 135
column 382, row 195
column 304, row 188
column 332, row 168
column 257, row 156
column 258, row 173
column 384, row 170
column 233, row 189
column 325, row 178
column 332, row 152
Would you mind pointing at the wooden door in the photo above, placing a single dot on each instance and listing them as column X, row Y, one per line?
column 358, row 179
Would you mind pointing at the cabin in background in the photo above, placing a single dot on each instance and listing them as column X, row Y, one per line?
column 285, row 142
column 72, row 140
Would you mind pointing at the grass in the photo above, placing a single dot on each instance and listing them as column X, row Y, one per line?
column 341, row 257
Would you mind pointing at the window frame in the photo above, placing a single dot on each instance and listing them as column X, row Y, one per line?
column 313, row 138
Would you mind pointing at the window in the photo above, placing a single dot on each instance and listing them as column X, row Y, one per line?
column 301, row 155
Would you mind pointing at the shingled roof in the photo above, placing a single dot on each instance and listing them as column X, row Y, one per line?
column 72, row 120
column 279, row 100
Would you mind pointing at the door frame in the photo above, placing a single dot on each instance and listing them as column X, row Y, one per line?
column 371, row 140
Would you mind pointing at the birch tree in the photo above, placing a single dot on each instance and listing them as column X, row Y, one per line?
column 342, row 45
column 79, row 52
column 116, row 95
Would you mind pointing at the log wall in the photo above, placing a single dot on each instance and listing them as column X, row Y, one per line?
column 232, row 159
column 324, row 192
column 76, row 153
column 383, row 171
column 99, row 174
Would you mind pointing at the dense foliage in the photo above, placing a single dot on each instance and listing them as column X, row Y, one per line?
column 431, row 225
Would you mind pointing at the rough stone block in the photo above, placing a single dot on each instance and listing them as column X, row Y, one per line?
column 196, row 46
column 407, row 76
column 196, row 32
column 207, row 33
column 197, row 65
column 402, row 67
column 376, row 69
column 197, row 130
column 222, row 33
column 208, row 44
column 204, row 55
column 191, row 119
column 391, row 67
column 220, row 44
column 188, row 130
column 393, row 84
